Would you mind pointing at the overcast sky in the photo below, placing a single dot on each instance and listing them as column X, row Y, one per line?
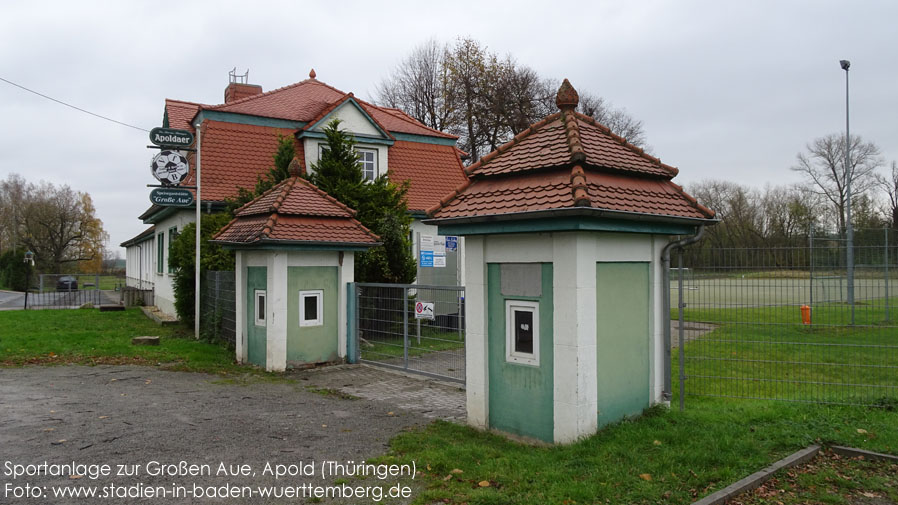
column 728, row 90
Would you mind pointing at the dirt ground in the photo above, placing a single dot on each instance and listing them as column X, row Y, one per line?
column 147, row 419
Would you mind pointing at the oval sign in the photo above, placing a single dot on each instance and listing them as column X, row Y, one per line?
column 171, row 197
column 170, row 137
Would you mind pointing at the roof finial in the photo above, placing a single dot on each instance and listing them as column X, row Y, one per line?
column 312, row 74
column 567, row 97
column 295, row 168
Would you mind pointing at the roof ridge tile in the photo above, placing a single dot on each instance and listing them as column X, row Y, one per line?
column 673, row 171
column 579, row 187
column 517, row 138
column 572, row 132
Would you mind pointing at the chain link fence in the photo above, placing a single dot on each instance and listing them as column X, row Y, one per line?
column 415, row 328
column 779, row 323
column 218, row 300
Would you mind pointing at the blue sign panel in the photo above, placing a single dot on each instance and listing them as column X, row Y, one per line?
column 426, row 259
column 451, row 243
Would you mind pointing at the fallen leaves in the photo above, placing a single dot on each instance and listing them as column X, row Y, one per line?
column 646, row 477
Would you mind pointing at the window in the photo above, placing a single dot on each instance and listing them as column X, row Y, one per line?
column 522, row 332
column 260, row 307
column 311, row 308
column 368, row 160
column 172, row 235
column 160, row 252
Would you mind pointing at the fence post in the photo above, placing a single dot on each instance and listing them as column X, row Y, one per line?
column 352, row 337
column 682, row 351
column 405, row 326
column 811, row 274
column 886, row 230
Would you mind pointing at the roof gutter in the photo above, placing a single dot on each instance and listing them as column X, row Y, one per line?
column 667, row 394
column 573, row 212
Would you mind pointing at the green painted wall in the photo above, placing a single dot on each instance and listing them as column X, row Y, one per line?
column 256, row 336
column 312, row 344
column 623, row 292
column 520, row 396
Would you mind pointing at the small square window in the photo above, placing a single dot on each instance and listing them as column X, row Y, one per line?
column 311, row 308
column 522, row 332
column 260, row 307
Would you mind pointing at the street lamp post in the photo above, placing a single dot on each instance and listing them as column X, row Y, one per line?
column 849, row 228
column 29, row 264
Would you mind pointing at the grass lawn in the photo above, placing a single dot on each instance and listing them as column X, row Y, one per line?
column 828, row 478
column 664, row 456
column 88, row 336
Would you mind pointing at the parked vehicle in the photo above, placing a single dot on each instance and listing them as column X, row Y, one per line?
column 67, row 283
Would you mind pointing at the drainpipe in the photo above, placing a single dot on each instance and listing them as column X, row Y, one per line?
column 667, row 394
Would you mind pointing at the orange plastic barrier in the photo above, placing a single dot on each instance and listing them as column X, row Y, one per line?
column 806, row 314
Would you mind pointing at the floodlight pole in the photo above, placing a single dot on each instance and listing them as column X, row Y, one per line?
column 849, row 228
column 196, row 266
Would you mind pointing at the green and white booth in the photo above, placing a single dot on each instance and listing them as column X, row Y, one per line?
column 295, row 249
column 564, row 229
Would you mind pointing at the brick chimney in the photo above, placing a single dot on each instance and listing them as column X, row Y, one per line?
column 238, row 87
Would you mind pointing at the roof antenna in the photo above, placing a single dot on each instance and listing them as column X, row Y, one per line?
column 239, row 79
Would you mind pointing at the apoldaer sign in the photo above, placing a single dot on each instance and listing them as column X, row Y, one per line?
column 171, row 137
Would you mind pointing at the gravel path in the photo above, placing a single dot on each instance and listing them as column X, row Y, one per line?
column 124, row 415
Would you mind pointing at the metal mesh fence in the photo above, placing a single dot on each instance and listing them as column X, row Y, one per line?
column 218, row 302
column 778, row 323
column 412, row 327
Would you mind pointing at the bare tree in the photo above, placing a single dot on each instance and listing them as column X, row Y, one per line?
column 12, row 196
column 823, row 165
column 890, row 184
column 617, row 120
column 420, row 86
column 466, row 90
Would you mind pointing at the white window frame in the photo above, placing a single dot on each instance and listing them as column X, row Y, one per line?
column 512, row 356
column 373, row 152
column 259, row 293
column 319, row 295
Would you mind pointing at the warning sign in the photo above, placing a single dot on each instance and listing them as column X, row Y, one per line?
column 424, row 310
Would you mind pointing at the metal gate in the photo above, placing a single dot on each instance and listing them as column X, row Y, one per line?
column 416, row 328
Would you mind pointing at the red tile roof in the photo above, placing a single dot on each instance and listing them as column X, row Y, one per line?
column 235, row 155
column 433, row 171
column 296, row 212
column 180, row 113
column 305, row 100
column 568, row 161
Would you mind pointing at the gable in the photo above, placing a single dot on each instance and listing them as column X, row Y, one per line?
column 353, row 120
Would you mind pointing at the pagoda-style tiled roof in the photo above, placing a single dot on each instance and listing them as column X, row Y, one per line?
column 569, row 161
column 295, row 212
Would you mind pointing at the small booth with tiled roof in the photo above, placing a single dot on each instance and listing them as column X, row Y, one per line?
column 295, row 248
column 565, row 228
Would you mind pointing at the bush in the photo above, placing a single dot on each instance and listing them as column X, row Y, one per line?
column 13, row 270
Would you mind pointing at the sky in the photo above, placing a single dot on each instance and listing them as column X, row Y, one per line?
column 726, row 90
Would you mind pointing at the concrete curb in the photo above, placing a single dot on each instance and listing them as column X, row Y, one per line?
column 150, row 313
column 756, row 479
column 851, row 452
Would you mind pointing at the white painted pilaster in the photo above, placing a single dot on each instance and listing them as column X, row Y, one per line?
column 345, row 275
column 276, row 331
column 574, row 334
column 240, row 307
column 476, row 349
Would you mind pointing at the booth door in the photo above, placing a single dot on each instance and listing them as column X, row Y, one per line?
column 256, row 314
column 521, row 349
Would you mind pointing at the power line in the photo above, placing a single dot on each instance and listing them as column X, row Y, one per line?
column 72, row 106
